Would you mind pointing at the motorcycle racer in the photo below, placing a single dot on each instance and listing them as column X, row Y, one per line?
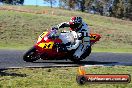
column 74, row 45
column 80, row 31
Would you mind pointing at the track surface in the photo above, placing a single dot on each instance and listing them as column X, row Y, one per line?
column 13, row 59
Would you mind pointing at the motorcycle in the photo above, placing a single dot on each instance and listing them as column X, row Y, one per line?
column 49, row 47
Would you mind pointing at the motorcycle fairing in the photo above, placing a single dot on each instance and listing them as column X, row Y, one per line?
column 48, row 45
column 41, row 36
column 94, row 38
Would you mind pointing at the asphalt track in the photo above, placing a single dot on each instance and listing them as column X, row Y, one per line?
column 13, row 59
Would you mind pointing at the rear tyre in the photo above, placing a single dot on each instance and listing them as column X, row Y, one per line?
column 76, row 59
column 86, row 53
column 83, row 56
column 30, row 55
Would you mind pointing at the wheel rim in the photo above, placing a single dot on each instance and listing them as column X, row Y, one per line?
column 31, row 56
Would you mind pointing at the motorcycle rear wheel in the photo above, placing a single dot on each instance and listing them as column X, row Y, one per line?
column 87, row 52
column 83, row 56
column 30, row 55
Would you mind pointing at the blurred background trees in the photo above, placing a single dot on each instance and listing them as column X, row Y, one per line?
column 114, row 8
column 52, row 2
column 13, row 2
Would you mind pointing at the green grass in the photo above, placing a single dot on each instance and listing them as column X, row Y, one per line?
column 20, row 30
column 57, row 77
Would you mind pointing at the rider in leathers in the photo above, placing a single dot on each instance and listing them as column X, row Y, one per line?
column 82, row 42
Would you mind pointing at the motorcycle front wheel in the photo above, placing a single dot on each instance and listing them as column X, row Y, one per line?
column 30, row 55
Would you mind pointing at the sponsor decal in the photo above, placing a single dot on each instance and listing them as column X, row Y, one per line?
column 83, row 78
column 46, row 45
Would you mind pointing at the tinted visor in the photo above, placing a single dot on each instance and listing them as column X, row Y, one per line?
column 74, row 25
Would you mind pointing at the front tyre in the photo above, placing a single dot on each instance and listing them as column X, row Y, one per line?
column 30, row 55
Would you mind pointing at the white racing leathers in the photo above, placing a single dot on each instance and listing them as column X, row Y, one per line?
column 79, row 40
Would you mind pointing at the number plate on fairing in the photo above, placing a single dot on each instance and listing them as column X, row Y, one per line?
column 46, row 45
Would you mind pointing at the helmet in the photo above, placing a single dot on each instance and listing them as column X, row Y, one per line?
column 75, row 22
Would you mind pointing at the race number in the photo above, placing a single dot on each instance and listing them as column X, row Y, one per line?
column 46, row 45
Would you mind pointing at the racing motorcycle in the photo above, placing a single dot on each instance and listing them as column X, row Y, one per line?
column 50, row 47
